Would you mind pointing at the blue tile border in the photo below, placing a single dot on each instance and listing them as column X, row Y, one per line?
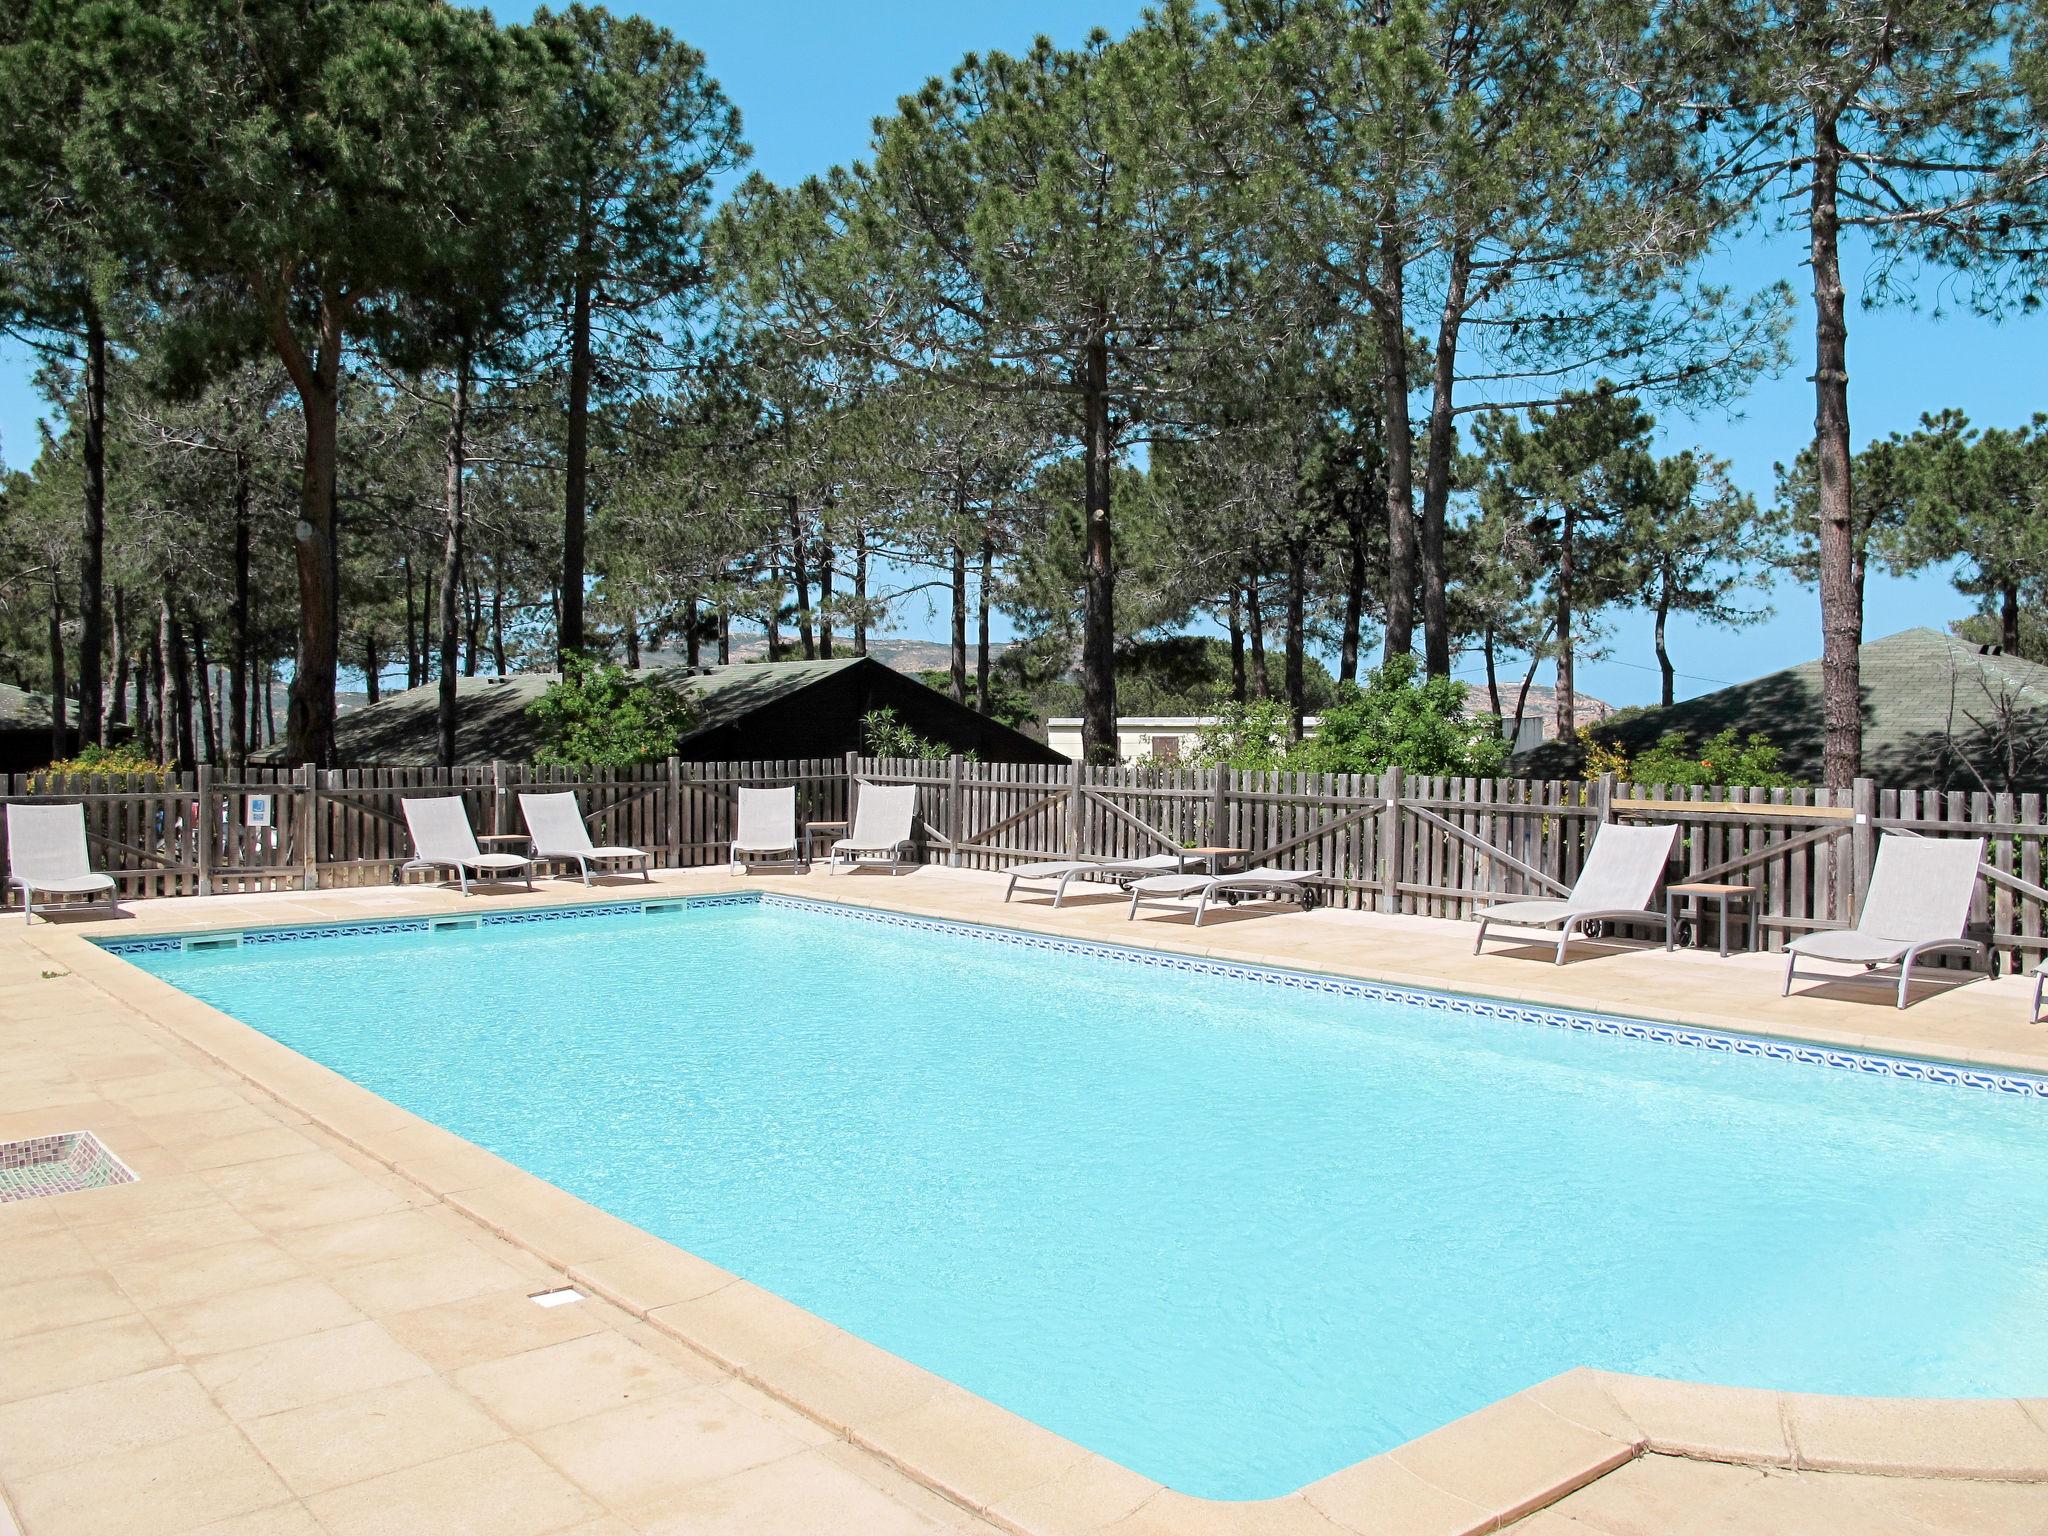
column 1876, row 1064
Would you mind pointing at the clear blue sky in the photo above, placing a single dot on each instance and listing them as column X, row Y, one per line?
column 810, row 75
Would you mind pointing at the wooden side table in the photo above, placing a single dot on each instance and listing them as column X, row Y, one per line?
column 839, row 829
column 1215, row 857
column 1701, row 893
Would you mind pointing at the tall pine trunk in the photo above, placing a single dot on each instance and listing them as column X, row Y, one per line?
column 60, row 715
column 177, row 685
column 1354, row 585
column 1237, row 689
column 1388, row 309
column 2009, row 618
column 958, row 648
column 117, row 706
column 1297, row 639
column 202, row 672
column 1098, row 619
column 1670, row 691
column 983, row 591
column 800, row 571
column 238, row 623
column 575, row 470
column 860, row 591
column 309, row 723
column 825, row 559
column 455, row 456
column 498, row 618
column 1255, row 624
column 92, row 540
column 1841, row 605
column 693, row 644
column 1567, row 712
column 1436, row 480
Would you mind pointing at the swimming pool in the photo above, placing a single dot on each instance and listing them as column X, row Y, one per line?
column 1223, row 1226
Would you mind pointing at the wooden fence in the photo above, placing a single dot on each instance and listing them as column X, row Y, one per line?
column 1388, row 842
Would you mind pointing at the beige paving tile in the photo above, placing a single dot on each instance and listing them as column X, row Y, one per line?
column 1648, row 1495
column 371, row 1239
column 571, row 1380
column 489, row 1327
column 1992, row 1437
column 804, row 1495
column 292, row 1373
column 70, row 1357
column 60, row 1301
column 51, row 1254
column 1380, row 1494
column 1168, row 1513
column 163, row 1488
column 654, row 1274
column 271, row 1141
column 1511, row 1457
column 260, row 1315
column 497, row 1490
column 39, row 1434
column 347, row 1439
column 175, row 1278
column 432, row 1278
column 292, row 1519
column 972, row 1450
column 647, row 1451
column 160, row 1235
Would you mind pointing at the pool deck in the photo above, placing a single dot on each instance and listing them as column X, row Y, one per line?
column 310, row 1313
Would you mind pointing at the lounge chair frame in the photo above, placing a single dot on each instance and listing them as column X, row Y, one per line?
column 2040, row 987
column 1572, row 915
column 1170, row 892
column 554, row 844
column 1056, row 875
column 873, row 813
column 759, row 808
column 1904, row 953
column 490, row 867
column 57, row 862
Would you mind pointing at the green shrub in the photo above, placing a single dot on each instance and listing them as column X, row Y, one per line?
column 602, row 716
column 126, row 758
column 1399, row 720
column 1723, row 758
column 886, row 736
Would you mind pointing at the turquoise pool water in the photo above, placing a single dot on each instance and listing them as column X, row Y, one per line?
column 1232, row 1234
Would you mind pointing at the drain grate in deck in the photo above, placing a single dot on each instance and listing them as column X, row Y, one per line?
column 57, row 1165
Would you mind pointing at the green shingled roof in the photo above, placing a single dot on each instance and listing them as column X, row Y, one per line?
column 1938, row 713
column 21, row 710
column 491, row 719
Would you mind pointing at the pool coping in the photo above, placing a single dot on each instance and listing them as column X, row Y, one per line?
column 1503, row 1461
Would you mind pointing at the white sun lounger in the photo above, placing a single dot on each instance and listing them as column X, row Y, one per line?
column 442, row 839
column 1056, row 874
column 46, row 852
column 1172, row 891
column 2040, row 986
column 1918, row 904
column 882, row 818
column 555, row 822
column 1623, row 870
column 767, row 827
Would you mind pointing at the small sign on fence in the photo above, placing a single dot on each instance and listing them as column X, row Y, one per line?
column 257, row 810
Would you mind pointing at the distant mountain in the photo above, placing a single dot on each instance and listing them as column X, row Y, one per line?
column 892, row 651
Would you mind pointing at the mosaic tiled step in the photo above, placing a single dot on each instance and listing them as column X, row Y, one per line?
column 57, row 1165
